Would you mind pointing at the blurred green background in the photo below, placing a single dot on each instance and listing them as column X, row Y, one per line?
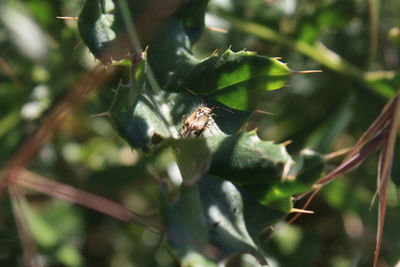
column 41, row 58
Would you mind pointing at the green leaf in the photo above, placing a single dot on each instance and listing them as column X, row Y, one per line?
column 237, row 80
column 102, row 27
column 234, row 217
column 218, row 216
column 246, row 159
column 136, row 118
column 97, row 28
column 308, row 168
column 185, row 226
column 142, row 114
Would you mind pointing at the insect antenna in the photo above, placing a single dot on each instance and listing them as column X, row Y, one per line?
column 204, row 102
column 223, row 109
column 190, row 91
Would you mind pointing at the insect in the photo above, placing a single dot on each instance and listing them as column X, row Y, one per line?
column 196, row 124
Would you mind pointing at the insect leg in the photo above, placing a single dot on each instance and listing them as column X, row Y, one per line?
column 184, row 118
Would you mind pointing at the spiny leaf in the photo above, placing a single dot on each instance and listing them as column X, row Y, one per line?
column 237, row 80
column 311, row 165
column 186, row 228
column 246, row 159
column 138, row 119
column 217, row 216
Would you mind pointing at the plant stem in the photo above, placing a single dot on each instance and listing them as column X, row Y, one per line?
column 135, row 41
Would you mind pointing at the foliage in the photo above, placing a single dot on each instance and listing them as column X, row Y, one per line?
column 217, row 197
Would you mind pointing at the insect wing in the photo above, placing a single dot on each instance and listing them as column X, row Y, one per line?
column 196, row 124
column 199, row 126
column 188, row 124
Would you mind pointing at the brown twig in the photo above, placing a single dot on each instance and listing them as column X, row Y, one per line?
column 384, row 171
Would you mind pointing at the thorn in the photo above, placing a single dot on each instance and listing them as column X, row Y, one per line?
column 255, row 130
column 103, row 114
column 306, row 71
column 294, row 210
column 277, row 58
column 215, row 29
column 287, row 142
column 263, row 112
column 285, row 172
column 335, row 154
column 67, row 18
column 307, row 203
column 143, row 54
column 214, row 52
column 229, row 48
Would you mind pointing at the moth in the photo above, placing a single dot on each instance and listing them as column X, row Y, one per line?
column 196, row 124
